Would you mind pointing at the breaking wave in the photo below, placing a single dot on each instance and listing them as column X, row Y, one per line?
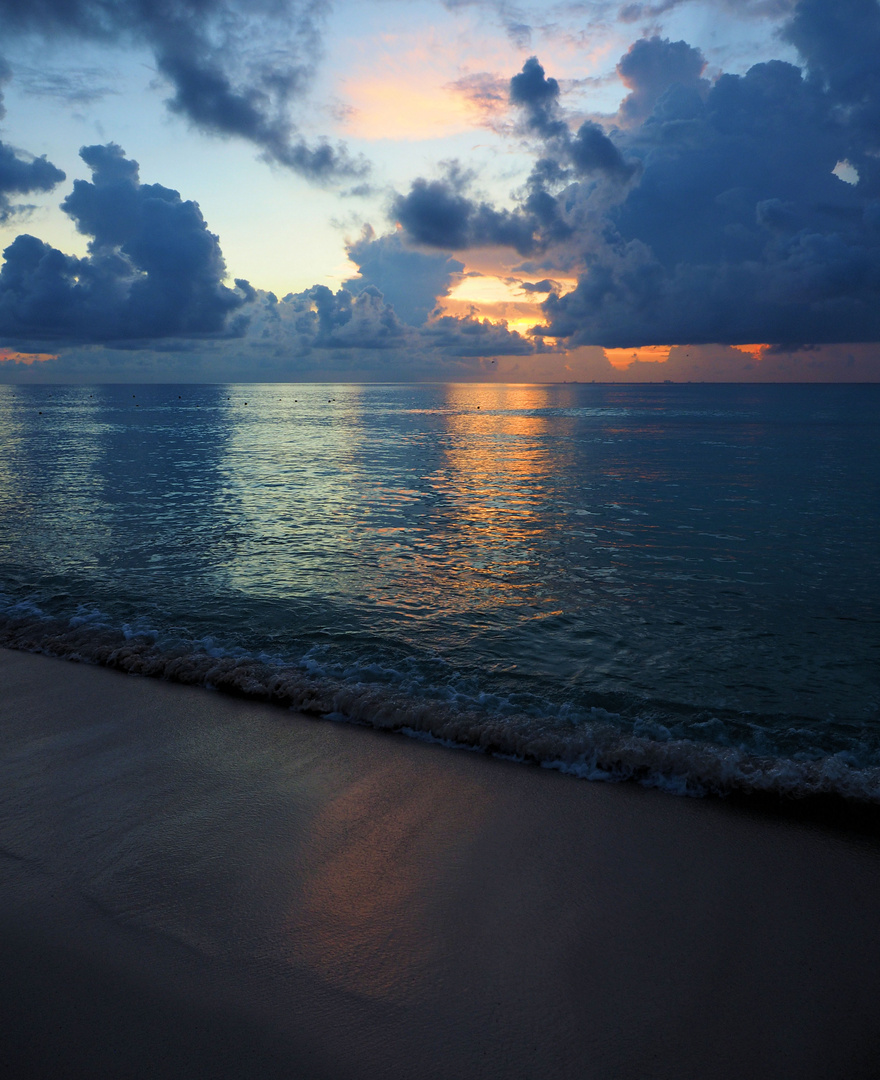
column 594, row 743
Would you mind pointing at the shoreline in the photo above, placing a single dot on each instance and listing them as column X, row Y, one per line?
column 199, row 883
column 808, row 800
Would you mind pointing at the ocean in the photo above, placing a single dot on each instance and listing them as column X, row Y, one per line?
column 677, row 584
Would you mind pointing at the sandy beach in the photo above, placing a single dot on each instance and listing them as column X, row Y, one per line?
column 195, row 885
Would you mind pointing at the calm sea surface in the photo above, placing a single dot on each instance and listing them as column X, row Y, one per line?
column 677, row 583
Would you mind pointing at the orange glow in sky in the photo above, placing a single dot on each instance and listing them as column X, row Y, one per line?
column 651, row 354
column 494, row 299
column 755, row 351
column 499, row 299
column 412, row 94
column 400, row 107
column 518, row 317
column 11, row 356
column 483, row 289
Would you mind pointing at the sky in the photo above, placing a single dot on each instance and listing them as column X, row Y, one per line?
column 385, row 190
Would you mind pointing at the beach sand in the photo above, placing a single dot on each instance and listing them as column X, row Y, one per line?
column 198, row 886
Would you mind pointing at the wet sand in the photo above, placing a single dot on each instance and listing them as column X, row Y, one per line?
column 194, row 885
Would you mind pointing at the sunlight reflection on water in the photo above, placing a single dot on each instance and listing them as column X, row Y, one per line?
column 714, row 546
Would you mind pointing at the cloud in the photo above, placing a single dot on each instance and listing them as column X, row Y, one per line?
column 20, row 174
column 705, row 211
column 635, row 12
column 153, row 268
column 76, row 86
column 316, row 334
column 711, row 212
column 5, row 76
column 543, row 286
column 340, row 319
column 537, row 95
column 840, row 44
column 319, row 319
column 589, row 152
column 153, row 277
column 512, row 17
column 650, row 68
column 10, row 356
column 737, row 229
column 487, row 93
column 411, row 281
column 472, row 336
column 441, row 213
column 724, row 363
column 235, row 67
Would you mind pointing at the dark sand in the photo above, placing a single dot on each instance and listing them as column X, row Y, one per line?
column 195, row 886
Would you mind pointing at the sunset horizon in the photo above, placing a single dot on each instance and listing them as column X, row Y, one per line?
column 439, row 191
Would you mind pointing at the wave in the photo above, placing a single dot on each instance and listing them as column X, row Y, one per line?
column 593, row 744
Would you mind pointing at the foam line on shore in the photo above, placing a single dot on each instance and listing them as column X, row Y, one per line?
column 594, row 744
column 365, row 907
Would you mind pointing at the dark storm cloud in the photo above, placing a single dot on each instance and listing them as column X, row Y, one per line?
column 411, row 281
column 737, row 231
column 841, row 44
column 711, row 212
column 589, row 152
column 650, row 68
column 471, row 336
column 23, row 176
column 20, row 175
column 236, row 67
column 544, row 286
column 441, row 213
column 735, row 228
column 153, row 268
column 537, row 95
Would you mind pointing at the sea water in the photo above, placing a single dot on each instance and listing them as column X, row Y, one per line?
column 678, row 584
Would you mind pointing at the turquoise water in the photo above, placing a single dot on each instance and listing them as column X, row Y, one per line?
column 675, row 583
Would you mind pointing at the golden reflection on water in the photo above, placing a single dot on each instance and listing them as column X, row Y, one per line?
column 374, row 857
column 497, row 461
column 441, row 503
column 497, row 465
column 339, row 495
